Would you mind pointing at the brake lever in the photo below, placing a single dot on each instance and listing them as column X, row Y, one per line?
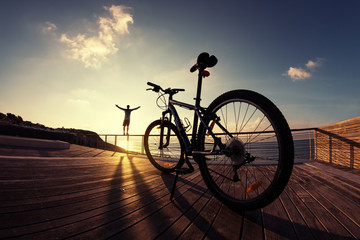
column 148, row 89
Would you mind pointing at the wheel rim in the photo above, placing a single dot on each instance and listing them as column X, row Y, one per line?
column 168, row 156
column 253, row 131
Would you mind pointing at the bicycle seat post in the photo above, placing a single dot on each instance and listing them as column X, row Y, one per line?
column 197, row 106
column 198, row 91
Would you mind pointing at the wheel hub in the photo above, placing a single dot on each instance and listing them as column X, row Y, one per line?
column 235, row 150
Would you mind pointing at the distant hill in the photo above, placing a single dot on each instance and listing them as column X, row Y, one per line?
column 13, row 125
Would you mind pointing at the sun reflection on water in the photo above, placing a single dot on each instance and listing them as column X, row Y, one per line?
column 129, row 143
column 126, row 143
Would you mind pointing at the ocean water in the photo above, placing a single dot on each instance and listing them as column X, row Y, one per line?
column 303, row 148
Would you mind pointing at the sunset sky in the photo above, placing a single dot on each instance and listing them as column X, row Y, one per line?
column 67, row 63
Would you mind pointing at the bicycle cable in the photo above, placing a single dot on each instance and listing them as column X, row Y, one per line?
column 163, row 102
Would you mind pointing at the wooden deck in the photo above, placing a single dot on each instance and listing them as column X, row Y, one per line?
column 85, row 193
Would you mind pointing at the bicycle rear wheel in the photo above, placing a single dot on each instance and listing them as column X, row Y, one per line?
column 257, row 162
column 167, row 152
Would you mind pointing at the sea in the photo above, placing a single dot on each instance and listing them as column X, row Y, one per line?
column 303, row 148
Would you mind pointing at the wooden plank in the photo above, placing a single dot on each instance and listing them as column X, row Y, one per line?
column 203, row 224
column 296, row 218
column 203, row 221
column 111, row 210
column 301, row 200
column 41, row 217
column 227, row 225
column 73, row 184
column 277, row 224
column 253, row 227
column 185, row 219
column 122, row 196
column 163, row 221
column 114, row 223
column 349, row 190
column 343, row 210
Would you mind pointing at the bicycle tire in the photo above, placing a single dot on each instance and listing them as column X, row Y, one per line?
column 169, row 158
column 258, row 183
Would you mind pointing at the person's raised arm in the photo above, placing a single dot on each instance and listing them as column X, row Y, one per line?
column 120, row 107
column 135, row 108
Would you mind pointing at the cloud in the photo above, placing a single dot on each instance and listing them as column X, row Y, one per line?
column 48, row 27
column 299, row 73
column 92, row 51
column 312, row 65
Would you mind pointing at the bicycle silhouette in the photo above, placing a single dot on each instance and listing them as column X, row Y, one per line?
column 241, row 143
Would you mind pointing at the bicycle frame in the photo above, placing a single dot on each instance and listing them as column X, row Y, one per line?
column 199, row 112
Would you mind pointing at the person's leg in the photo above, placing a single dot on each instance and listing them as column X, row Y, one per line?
column 128, row 124
column 124, row 124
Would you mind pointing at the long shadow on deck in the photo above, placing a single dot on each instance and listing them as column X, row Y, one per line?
column 146, row 212
column 191, row 210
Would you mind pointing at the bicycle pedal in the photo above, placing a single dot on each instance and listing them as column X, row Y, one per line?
column 184, row 171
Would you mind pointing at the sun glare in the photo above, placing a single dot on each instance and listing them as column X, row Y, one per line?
column 129, row 143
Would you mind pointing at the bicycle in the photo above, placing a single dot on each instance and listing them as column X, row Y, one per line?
column 242, row 143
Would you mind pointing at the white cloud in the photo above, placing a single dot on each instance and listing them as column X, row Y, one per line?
column 300, row 74
column 314, row 64
column 94, row 50
column 48, row 27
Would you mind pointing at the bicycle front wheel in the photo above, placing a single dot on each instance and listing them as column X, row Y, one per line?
column 257, row 162
column 163, row 146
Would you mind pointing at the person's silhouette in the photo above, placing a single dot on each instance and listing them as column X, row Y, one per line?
column 126, row 122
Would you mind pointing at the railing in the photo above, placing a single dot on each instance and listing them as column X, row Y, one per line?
column 130, row 143
column 339, row 143
column 304, row 149
column 336, row 144
column 303, row 143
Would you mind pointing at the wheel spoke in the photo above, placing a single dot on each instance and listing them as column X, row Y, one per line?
column 254, row 124
column 166, row 158
column 247, row 108
column 248, row 120
column 220, row 174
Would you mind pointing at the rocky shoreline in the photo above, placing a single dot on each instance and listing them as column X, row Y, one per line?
column 13, row 125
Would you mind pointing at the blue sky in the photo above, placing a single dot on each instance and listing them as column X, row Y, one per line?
column 67, row 63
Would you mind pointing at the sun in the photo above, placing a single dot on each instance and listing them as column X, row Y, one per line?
column 127, row 142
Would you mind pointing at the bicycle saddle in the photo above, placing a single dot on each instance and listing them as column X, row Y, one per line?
column 204, row 60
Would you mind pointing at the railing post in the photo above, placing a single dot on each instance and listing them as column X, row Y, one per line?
column 142, row 144
column 330, row 149
column 105, row 142
column 315, row 144
column 352, row 156
column 115, row 143
column 310, row 145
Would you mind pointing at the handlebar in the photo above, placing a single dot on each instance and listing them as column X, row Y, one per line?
column 157, row 88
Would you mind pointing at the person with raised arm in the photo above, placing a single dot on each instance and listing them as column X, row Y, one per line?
column 126, row 122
